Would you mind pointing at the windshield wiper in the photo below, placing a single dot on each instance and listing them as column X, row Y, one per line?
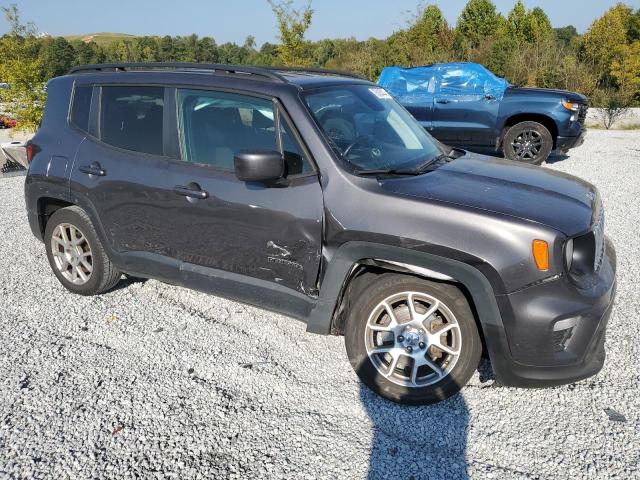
column 430, row 164
column 386, row 171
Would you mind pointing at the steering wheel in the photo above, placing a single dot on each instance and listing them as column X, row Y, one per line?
column 358, row 141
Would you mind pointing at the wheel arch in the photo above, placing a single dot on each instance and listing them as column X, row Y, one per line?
column 47, row 206
column 353, row 261
column 545, row 120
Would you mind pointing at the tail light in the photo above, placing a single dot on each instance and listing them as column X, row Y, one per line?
column 30, row 151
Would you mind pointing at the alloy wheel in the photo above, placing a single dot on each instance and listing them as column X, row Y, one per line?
column 72, row 253
column 527, row 145
column 413, row 339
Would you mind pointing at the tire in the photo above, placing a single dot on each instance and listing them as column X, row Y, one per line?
column 535, row 152
column 452, row 312
column 81, row 265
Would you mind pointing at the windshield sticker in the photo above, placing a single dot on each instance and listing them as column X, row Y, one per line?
column 380, row 93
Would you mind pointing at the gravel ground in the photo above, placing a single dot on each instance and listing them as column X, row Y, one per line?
column 158, row 381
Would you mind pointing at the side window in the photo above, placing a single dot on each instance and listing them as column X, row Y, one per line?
column 81, row 107
column 214, row 126
column 131, row 118
column 297, row 162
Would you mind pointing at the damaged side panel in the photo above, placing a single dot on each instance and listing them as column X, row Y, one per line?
column 265, row 232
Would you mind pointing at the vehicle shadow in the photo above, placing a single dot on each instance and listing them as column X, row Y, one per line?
column 417, row 441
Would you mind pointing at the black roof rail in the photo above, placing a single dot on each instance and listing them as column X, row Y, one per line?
column 213, row 67
column 319, row 71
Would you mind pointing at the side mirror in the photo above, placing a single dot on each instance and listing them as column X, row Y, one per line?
column 258, row 165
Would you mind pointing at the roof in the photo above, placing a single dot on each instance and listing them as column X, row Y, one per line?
column 300, row 76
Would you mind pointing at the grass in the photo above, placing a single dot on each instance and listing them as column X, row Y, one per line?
column 101, row 38
column 628, row 126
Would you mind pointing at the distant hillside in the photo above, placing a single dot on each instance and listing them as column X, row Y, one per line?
column 101, row 38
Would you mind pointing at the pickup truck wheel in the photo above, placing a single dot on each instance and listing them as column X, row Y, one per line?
column 76, row 255
column 528, row 142
column 411, row 340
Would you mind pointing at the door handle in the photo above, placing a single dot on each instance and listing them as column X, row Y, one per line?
column 192, row 191
column 442, row 100
column 93, row 169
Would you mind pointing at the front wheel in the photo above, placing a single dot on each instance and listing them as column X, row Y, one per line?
column 411, row 340
column 528, row 142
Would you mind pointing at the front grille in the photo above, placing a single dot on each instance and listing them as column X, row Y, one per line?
column 582, row 113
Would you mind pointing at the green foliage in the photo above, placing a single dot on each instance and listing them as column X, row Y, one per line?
column 523, row 47
column 292, row 25
column 566, row 35
column 478, row 21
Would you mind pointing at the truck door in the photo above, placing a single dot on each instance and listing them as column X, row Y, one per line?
column 463, row 114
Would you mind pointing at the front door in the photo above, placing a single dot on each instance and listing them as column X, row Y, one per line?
column 463, row 114
column 271, row 232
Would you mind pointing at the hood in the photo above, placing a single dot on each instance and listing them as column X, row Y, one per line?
column 530, row 91
column 555, row 199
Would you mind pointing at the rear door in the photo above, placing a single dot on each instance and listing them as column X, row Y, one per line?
column 271, row 232
column 119, row 174
column 462, row 113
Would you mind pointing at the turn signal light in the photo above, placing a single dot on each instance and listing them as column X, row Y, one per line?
column 540, row 250
column 574, row 107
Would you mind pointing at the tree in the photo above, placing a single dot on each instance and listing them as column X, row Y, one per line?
column 537, row 25
column 478, row 21
column 16, row 28
column 57, row 56
column 22, row 68
column 606, row 35
column 565, row 35
column 614, row 106
column 292, row 25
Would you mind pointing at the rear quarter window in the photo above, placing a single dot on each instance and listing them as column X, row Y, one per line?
column 81, row 106
column 131, row 118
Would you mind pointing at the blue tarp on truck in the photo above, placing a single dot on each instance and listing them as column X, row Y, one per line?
column 418, row 85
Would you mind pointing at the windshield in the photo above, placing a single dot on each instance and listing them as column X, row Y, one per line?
column 368, row 128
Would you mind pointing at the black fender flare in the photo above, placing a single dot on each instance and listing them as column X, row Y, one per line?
column 352, row 253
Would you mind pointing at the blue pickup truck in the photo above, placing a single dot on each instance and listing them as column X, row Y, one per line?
column 467, row 105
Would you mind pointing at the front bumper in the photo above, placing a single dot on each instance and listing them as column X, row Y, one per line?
column 565, row 143
column 554, row 332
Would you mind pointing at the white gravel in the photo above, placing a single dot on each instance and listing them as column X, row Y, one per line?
column 157, row 381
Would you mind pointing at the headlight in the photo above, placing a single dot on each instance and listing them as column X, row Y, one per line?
column 574, row 107
column 568, row 253
column 580, row 255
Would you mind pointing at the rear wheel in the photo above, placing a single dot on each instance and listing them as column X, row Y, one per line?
column 76, row 255
column 411, row 340
column 528, row 142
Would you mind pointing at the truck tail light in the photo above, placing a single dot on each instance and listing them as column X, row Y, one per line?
column 540, row 250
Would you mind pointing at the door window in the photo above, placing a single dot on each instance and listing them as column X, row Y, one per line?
column 131, row 118
column 215, row 126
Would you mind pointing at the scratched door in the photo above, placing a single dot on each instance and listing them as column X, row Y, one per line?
column 270, row 232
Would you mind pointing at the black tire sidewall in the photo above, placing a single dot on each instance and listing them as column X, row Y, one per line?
column 69, row 215
column 384, row 286
column 517, row 129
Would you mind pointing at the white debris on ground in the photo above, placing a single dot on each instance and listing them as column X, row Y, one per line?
column 158, row 381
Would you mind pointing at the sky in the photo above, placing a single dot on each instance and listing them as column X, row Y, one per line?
column 233, row 21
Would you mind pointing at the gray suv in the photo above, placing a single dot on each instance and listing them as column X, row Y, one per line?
column 316, row 195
